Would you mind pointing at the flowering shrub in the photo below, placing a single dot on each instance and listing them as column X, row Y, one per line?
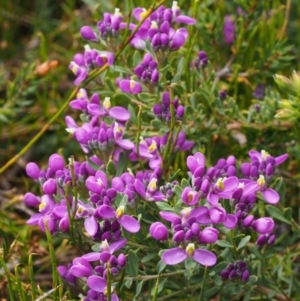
column 147, row 226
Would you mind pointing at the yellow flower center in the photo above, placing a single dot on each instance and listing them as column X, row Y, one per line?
column 42, row 206
column 120, row 212
column 264, row 154
column 175, row 5
column 261, row 181
column 154, row 24
column 190, row 249
column 104, row 246
column 107, row 103
column 143, row 14
column 80, row 93
column 190, row 196
column 132, row 84
column 74, row 68
column 153, row 146
column 152, row 184
column 220, row 183
column 117, row 12
column 104, row 57
column 80, row 209
column 185, row 212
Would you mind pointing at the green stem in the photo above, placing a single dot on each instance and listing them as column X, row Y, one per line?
column 108, row 282
column 53, row 260
column 203, row 285
column 156, row 290
column 8, row 277
column 31, row 277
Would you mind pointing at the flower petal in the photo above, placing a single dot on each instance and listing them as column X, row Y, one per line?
column 119, row 113
column 117, row 245
column 168, row 216
column 271, row 196
column 212, row 199
column 91, row 225
column 205, row 257
column 130, row 223
column 106, row 211
column 231, row 221
column 97, row 283
column 174, row 256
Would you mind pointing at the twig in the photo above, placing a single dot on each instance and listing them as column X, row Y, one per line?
column 277, row 296
column 286, row 19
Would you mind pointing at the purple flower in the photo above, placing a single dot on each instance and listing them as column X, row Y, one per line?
column 97, row 183
column 177, row 255
column 88, row 34
column 270, row 195
column 189, row 196
column 81, row 268
column 130, row 86
column 32, row 170
column 151, row 193
column 99, row 284
column 178, row 18
column 118, row 113
column 263, row 225
column 229, row 30
column 159, row 231
column 222, row 189
column 127, row 221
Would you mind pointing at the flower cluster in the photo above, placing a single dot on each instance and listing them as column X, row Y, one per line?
column 238, row 270
column 157, row 29
column 162, row 110
column 107, row 201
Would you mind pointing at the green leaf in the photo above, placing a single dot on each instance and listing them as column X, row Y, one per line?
column 96, row 247
column 136, row 58
column 218, row 280
column 280, row 188
column 288, row 213
column 160, row 286
column 148, row 257
column 111, row 168
column 219, row 267
column 210, row 292
column 243, row 242
column 121, row 69
column 128, row 283
column 276, row 213
column 252, row 279
column 139, row 288
column 178, row 190
column 121, row 164
column 163, row 206
column 124, row 201
column 256, row 252
column 160, row 266
column 133, row 117
column 223, row 243
column 190, row 263
column 133, row 264
column 185, row 183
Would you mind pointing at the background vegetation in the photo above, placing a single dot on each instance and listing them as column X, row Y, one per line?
column 38, row 40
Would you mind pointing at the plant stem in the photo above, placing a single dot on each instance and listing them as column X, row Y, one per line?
column 203, row 285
